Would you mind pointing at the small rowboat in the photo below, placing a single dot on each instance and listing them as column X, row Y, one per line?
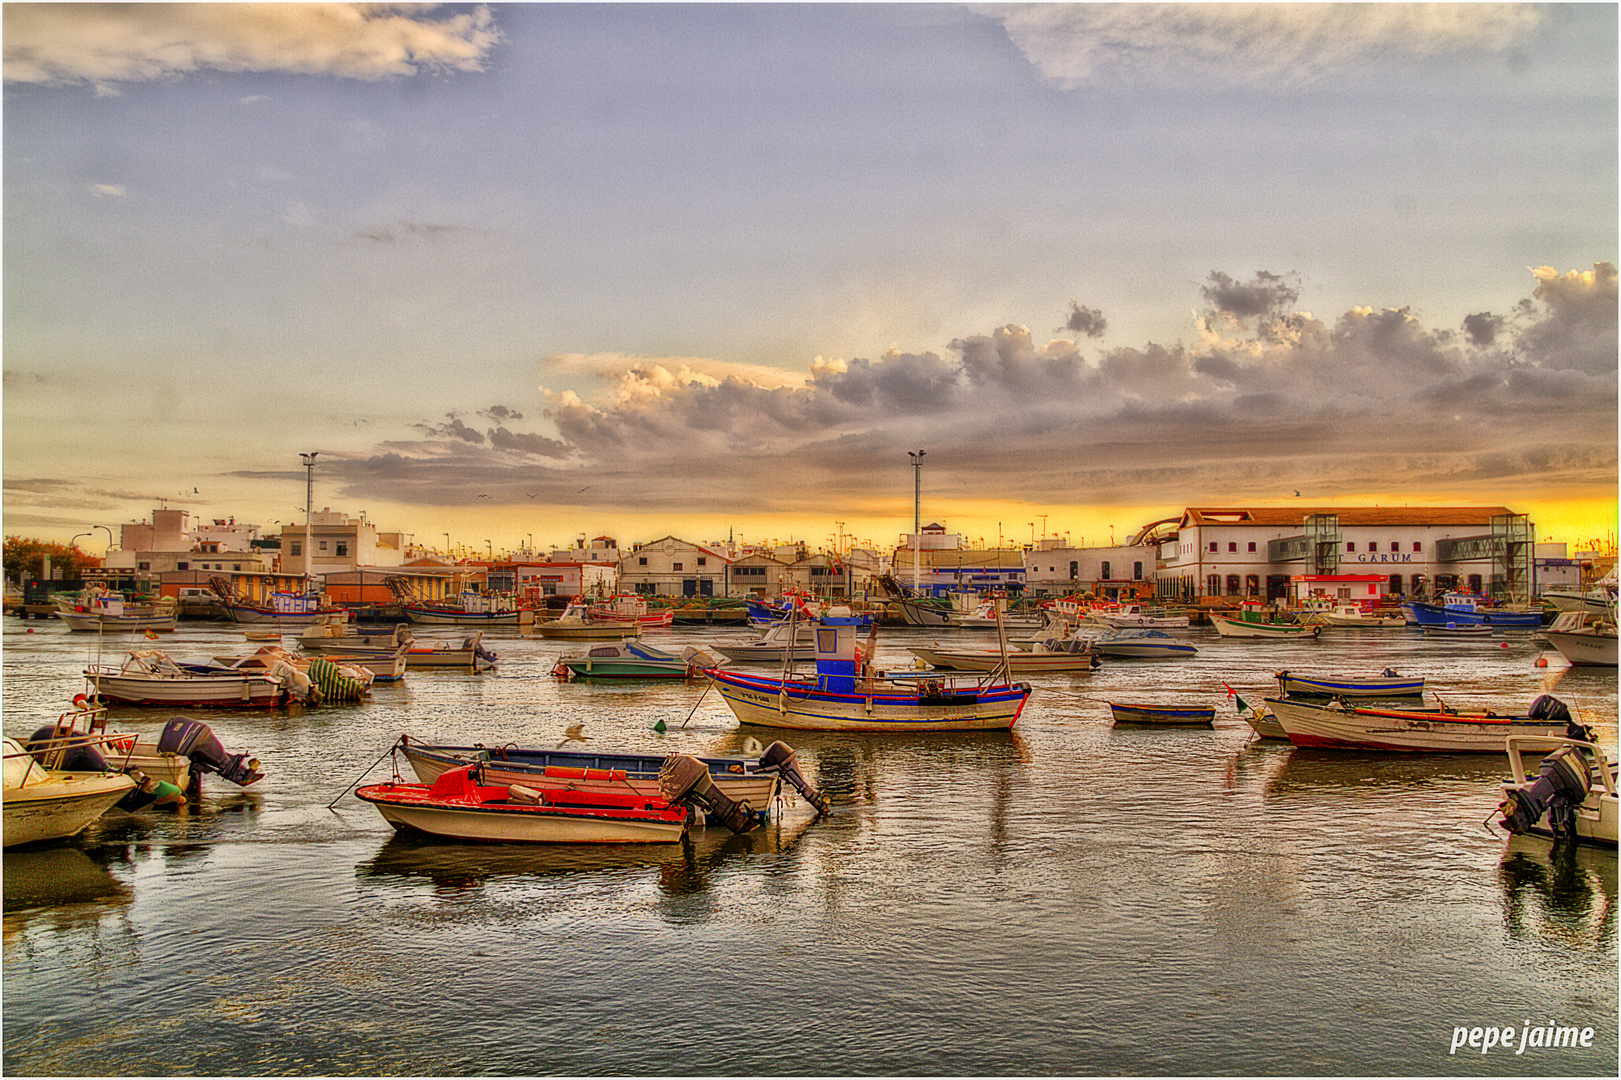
column 1460, row 630
column 1339, row 726
column 1191, row 715
column 458, row 806
column 1389, row 685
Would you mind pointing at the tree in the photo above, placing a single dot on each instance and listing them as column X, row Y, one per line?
column 25, row 558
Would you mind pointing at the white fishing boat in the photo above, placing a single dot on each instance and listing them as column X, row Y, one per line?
column 1583, row 639
column 1341, row 726
column 633, row 660
column 1354, row 615
column 772, row 645
column 151, row 677
column 98, row 611
column 1054, row 656
column 1252, row 621
column 52, row 804
column 1140, row 616
column 338, row 642
column 1570, row 796
column 848, row 695
column 1137, row 644
column 578, row 624
column 985, row 614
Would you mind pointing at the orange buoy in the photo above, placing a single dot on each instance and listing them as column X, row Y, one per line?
column 1542, row 661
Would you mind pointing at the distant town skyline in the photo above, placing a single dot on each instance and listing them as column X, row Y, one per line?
column 640, row 270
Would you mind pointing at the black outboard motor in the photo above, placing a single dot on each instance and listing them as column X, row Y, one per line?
column 1558, row 791
column 1549, row 708
column 779, row 758
column 193, row 739
column 686, row 779
column 75, row 758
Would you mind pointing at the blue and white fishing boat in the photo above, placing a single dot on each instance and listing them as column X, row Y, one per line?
column 849, row 695
column 1463, row 609
column 1386, row 685
column 1141, row 645
column 1175, row 715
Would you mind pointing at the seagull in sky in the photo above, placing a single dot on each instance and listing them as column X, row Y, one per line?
column 587, row 487
column 1297, row 493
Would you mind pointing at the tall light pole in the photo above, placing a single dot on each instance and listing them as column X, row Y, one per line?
column 917, row 521
column 109, row 539
column 309, row 506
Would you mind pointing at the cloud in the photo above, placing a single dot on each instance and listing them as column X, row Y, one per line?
column 1075, row 45
column 107, row 191
column 103, row 44
column 1255, row 405
column 1085, row 320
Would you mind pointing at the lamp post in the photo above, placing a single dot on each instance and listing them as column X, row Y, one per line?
column 110, row 544
column 309, row 505
column 917, row 521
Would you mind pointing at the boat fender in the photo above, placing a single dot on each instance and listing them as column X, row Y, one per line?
column 1561, row 787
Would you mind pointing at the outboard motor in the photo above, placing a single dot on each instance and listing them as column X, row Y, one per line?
column 78, row 758
column 686, row 779
column 779, row 758
column 193, row 739
column 1559, row 790
column 1549, row 708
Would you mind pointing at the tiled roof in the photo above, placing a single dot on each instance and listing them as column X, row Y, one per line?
column 1471, row 516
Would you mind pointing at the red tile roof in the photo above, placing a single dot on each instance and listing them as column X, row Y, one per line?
column 1472, row 516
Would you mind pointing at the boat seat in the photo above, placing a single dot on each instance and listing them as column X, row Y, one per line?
column 528, row 796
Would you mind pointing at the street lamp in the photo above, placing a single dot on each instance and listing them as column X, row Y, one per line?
column 917, row 521
column 110, row 543
column 309, row 503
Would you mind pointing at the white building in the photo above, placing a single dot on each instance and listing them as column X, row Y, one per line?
column 341, row 543
column 1232, row 552
column 673, row 567
column 1114, row 573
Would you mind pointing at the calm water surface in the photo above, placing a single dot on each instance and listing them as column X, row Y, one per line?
column 1070, row 898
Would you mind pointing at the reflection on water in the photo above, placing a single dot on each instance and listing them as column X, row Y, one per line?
column 1559, row 894
column 1067, row 898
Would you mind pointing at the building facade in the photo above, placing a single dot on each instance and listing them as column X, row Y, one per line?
column 671, row 566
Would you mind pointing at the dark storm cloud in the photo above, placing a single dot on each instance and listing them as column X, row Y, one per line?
column 1264, row 294
column 1086, row 321
column 1266, row 398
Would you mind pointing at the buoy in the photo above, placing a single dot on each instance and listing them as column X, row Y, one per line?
column 1504, row 645
column 1542, row 661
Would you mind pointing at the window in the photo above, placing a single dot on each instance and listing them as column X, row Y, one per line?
column 1212, row 585
column 343, row 547
column 236, row 566
column 1252, row 546
column 321, row 546
column 1417, row 547
column 642, row 561
column 675, row 566
column 182, row 566
column 1212, row 546
column 1136, row 571
column 1232, row 584
column 1350, row 545
column 296, row 548
column 1394, row 547
column 1105, row 574
column 703, row 561
column 1252, row 585
column 1232, row 545
column 1074, row 570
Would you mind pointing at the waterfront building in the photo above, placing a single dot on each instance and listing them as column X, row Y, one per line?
column 1230, row 553
column 341, row 543
column 671, row 566
column 563, row 577
column 938, row 562
column 757, row 574
column 1122, row 572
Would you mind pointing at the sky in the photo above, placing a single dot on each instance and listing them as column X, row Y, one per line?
column 524, row 273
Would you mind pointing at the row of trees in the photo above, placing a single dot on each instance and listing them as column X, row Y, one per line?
column 25, row 558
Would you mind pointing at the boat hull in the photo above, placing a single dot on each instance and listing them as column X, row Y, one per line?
column 1439, row 615
column 1195, row 716
column 222, row 691
column 90, row 622
column 611, row 773
column 1020, row 663
column 1584, row 648
column 1306, row 686
column 1595, row 819
column 61, row 808
column 439, row 617
column 1407, row 730
column 768, row 703
column 1227, row 626
column 509, row 824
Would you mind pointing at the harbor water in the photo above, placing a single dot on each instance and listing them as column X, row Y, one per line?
column 1071, row 897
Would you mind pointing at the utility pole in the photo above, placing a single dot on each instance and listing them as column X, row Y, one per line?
column 309, row 507
column 917, row 520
